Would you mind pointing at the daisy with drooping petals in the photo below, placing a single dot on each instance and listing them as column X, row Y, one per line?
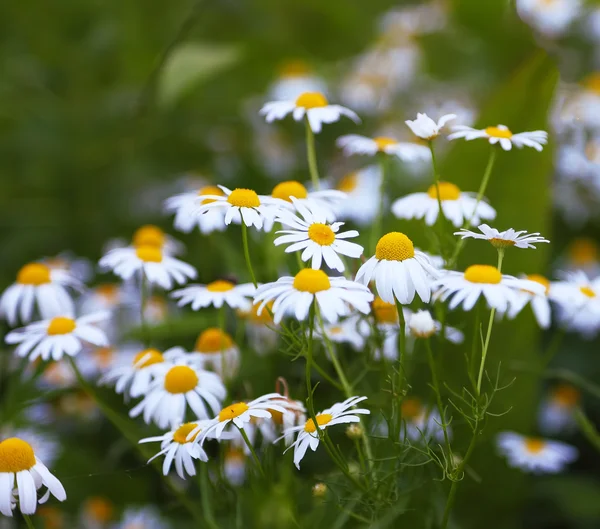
column 457, row 205
column 424, row 127
column 51, row 339
column 216, row 350
column 557, row 410
column 503, row 239
column 216, row 294
column 578, row 301
column 398, row 270
column 312, row 106
column 151, row 235
column 339, row 413
column 176, row 386
column 501, row 134
column 540, row 303
column 295, row 295
column 406, row 151
column 185, row 207
column 316, row 237
column 362, row 195
column 22, row 475
column 38, row 286
column 157, row 267
column 141, row 518
column 533, row 454
column 500, row 291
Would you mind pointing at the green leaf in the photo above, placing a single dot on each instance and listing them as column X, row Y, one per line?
column 588, row 429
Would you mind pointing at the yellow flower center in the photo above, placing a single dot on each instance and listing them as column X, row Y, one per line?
column 382, row 142
column 321, row 234
column 385, row 312
column 541, row 280
column 534, row 445
column 149, row 235
column 233, row 411
column 180, row 379
column 149, row 254
column 336, row 330
column 265, row 317
column 288, row 189
column 348, row 183
column 313, row 281
column 587, row 291
column 213, row 340
column 496, row 132
column 149, row 356
column 592, row 82
column 220, row 286
column 15, row 455
column 394, row 246
column 60, row 325
column 181, row 434
column 483, row 274
column 501, row 243
column 411, row 408
column 34, row 274
column 322, row 420
column 294, row 68
column 244, row 198
column 448, row 191
column 566, row 396
column 310, row 100
column 583, row 251
column 104, row 356
column 99, row 509
column 109, row 292
column 51, row 517
column 210, row 190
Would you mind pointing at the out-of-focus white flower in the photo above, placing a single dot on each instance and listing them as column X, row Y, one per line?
column 294, row 79
column 215, row 294
column 421, row 423
column 421, row 324
column 216, row 350
column 426, row 128
column 234, row 466
column 363, row 199
column 539, row 301
column 185, row 206
column 501, row 134
column 557, row 410
column 405, row 151
column 551, row 18
column 346, row 331
column 141, row 518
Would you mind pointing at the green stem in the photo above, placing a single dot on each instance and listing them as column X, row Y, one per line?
column 221, row 319
column 28, row 521
column 311, row 155
column 309, row 361
column 376, row 230
column 438, row 396
column 247, row 253
column 205, row 497
column 143, row 301
column 554, row 346
column 254, row 456
column 436, row 180
column 299, row 261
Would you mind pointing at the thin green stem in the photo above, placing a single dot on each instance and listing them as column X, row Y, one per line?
column 28, row 521
column 247, row 253
column 299, row 261
column 376, row 230
column 311, row 154
column 438, row 396
column 143, row 301
column 205, row 497
column 436, row 180
column 309, row 362
column 340, row 463
column 254, row 456
column 221, row 318
column 554, row 346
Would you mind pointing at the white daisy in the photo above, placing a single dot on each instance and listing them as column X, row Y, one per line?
column 421, row 324
column 215, row 294
column 151, row 235
column 57, row 375
column 420, row 423
column 22, row 475
column 185, row 208
column 271, row 429
column 362, row 192
column 141, row 518
column 533, row 454
column 310, row 105
column 38, row 286
column 234, row 466
column 80, row 268
column 406, row 151
column 318, row 239
column 295, row 78
column 557, row 410
column 540, row 304
column 551, row 18
column 339, row 413
column 500, row 291
column 156, row 266
column 398, row 270
column 107, row 297
column 346, row 331
column 503, row 239
column 501, row 134
column 424, row 127
column 176, row 386
column 216, row 350
column 458, row 206
column 261, row 330
column 578, row 300
column 44, row 445
column 51, row 339
column 294, row 295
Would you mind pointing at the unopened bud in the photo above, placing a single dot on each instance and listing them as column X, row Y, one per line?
column 355, row 431
column 319, row 490
column 421, row 324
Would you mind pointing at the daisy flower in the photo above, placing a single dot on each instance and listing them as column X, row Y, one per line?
column 312, row 106
column 503, row 239
column 176, row 386
column 97, row 512
column 215, row 294
column 550, row 17
column 294, row 295
column 185, row 206
column 62, row 335
column 578, row 299
column 346, row 331
column 44, row 445
column 533, row 454
column 540, row 303
column 295, row 77
column 424, row 127
column 308, row 436
column 261, row 330
column 292, row 192
column 150, row 261
column 421, row 324
column 457, row 206
column 217, row 351
column 557, row 410
column 38, row 286
column 271, row 429
column 318, row 239
column 22, row 475
column 398, row 270
column 500, row 291
column 362, row 195
column 234, row 466
column 141, row 518
column 420, row 423
column 406, row 151
column 151, row 235
column 502, row 135
column 107, row 296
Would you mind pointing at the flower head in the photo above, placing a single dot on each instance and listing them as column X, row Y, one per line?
column 503, row 239
column 540, row 303
column 421, row 324
column 185, row 205
column 557, row 410
column 362, row 195
column 217, row 351
column 501, row 134
column 215, row 294
column 405, row 151
column 424, row 127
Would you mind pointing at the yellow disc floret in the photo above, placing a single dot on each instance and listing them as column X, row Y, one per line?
column 483, row 274
column 541, row 280
column 147, row 357
column 534, row 445
column 149, row 235
column 61, row 325
column 99, row 509
column 310, row 100
column 348, row 183
column 411, row 408
column 288, row 189
column 313, row 281
column 210, row 190
column 321, row 234
column 213, row 340
column 233, row 411
column 322, row 420
column 448, row 191
column 592, row 82
column 180, row 379
column 243, row 198
column 149, row 254
column 496, row 132
column 566, row 396
column 394, row 246
column 583, row 251
column 15, row 455
column 220, row 286
column 587, row 291
column 181, row 434
column 34, row 274
column 385, row 312
column 382, row 142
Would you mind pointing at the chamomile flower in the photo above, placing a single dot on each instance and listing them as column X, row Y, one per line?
column 501, row 134
column 540, row 303
column 22, row 475
column 271, row 429
column 457, row 206
column 310, row 105
column 557, row 410
column 406, row 151
column 261, row 330
column 426, row 128
column 38, row 286
column 419, row 423
column 176, row 386
column 398, row 270
column 234, row 466
column 216, row 350
column 185, row 206
column 318, row 239
column 503, row 239
column 500, row 291
column 533, row 454
column 551, row 18
column 362, row 195
column 62, row 335
column 141, row 518
column 339, row 413
column 151, row 235
column 156, row 266
column 97, row 512
column 215, row 294
column 421, row 324
column 44, row 445
column 107, row 296
column 578, row 300
column 346, row 331
column 292, row 192
column 295, row 78
column 295, row 295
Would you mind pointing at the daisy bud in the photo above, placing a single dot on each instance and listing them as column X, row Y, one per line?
column 319, row 490
column 421, row 324
column 355, row 431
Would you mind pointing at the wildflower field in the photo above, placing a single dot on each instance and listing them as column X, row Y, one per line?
column 300, row 264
